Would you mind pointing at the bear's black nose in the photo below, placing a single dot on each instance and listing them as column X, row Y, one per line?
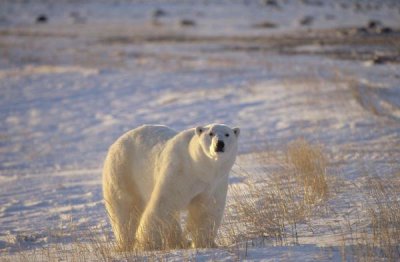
column 220, row 146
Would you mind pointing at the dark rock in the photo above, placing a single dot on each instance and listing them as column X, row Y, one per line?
column 265, row 24
column 159, row 13
column 187, row 22
column 272, row 3
column 41, row 19
column 385, row 30
column 374, row 24
column 307, row 20
column 378, row 60
column 313, row 2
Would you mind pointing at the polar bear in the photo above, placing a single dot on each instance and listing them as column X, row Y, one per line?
column 152, row 173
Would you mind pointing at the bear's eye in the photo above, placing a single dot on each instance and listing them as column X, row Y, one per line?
column 211, row 134
column 227, row 135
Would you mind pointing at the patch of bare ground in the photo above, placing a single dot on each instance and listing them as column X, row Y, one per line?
column 372, row 47
column 343, row 43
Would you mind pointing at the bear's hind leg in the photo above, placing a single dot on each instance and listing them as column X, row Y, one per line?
column 124, row 214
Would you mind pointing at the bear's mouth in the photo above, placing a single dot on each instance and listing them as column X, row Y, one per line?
column 219, row 150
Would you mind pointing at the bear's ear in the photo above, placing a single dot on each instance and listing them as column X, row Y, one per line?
column 236, row 130
column 199, row 130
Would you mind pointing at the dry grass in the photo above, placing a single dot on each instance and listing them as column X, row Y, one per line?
column 380, row 239
column 266, row 210
column 384, row 215
column 90, row 245
column 308, row 164
column 275, row 202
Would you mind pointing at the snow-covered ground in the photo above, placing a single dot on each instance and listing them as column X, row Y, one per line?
column 70, row 86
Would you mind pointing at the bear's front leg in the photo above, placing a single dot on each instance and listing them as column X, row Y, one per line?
column 158, row 231
column 159, row 226
column 205, row 215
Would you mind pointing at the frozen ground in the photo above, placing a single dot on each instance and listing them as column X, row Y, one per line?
column 71, row 86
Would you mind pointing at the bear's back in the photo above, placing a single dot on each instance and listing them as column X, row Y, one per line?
column 151, row 135
column 143, row 139
column 141, row 147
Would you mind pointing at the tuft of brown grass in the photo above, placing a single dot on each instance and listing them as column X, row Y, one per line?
column 271, row 204
column 384, row 216
column 308, row 165
column 379, row 240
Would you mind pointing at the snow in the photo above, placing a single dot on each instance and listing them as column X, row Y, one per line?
column 71, row 86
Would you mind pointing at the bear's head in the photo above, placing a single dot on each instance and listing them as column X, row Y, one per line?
column 218, row 141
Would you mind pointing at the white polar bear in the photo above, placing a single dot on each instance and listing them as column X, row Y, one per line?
column 151, row 173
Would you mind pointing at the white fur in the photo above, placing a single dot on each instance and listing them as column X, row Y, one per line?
column 152, row 173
